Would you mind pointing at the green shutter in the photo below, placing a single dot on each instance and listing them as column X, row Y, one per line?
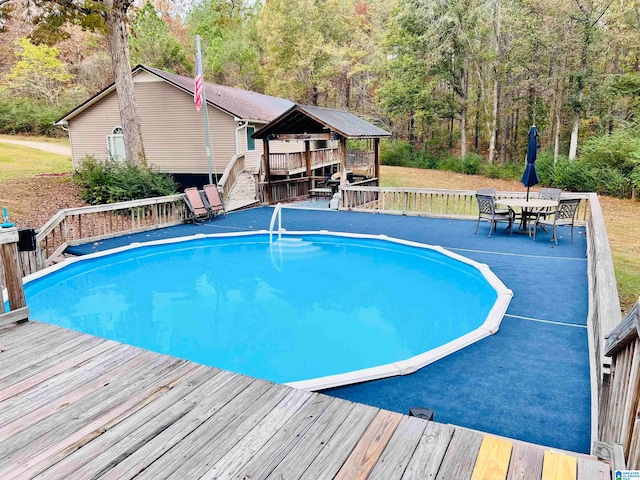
column 251, row 143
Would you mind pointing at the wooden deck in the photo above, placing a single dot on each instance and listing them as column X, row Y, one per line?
column 74, row 406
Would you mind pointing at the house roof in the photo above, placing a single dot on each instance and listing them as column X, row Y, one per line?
column 242, row 104
column 305, row 119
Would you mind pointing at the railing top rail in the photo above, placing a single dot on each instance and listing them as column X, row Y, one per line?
column 609, row 302
column 625, row 332
column 585, row 195
column 228, row 169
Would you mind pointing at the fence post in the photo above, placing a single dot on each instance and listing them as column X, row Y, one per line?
column 12, row 276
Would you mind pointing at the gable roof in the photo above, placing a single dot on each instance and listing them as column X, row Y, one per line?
column 306, row 119
column 243, row 104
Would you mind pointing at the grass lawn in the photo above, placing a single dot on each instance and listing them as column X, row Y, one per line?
column 622, row 218
column 18, row 162
column 38, row 138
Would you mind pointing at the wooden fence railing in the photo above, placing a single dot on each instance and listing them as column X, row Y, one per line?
column 620, row 418
column 284, row 162
column 284, row 190
column 428, row 201
column 73, row 226
column 360, row 159
column 230, row 175
column 11, row 276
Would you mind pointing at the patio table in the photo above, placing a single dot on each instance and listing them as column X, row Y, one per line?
column 526, row 206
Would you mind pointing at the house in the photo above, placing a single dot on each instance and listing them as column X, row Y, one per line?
column 172, row 128
column 174, row 141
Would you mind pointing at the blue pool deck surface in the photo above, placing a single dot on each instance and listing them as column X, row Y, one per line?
column 529, row 381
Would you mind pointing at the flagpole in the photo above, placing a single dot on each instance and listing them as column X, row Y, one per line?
column 205, row 117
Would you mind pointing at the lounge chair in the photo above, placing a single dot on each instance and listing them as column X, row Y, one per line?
column 564, row 214
column 213, row 200
column 197, row 208
column 487, row 211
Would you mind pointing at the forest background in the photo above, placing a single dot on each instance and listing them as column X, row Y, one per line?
column 457, row 82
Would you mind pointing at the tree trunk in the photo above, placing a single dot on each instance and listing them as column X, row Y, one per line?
column 115, row 19
column 476, row 134
column 573, row 144
column 494, row 121
column 556, row 146
column 463, row 114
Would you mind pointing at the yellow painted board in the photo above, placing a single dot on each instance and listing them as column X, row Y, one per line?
column 493, row 459
column 557, row 466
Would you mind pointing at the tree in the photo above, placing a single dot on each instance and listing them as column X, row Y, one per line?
column 231, row 51
column 110, row 16
column 38, row 73
column 153, row 43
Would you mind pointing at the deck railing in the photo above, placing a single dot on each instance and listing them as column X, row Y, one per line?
column 73, row 226
column 360, row 159
column 620, row 418
column 284, row 190
column 285, row 162
column 234, row 168
column 429, row 201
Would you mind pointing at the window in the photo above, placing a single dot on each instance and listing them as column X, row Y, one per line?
column 115, row 144
column 251, row 143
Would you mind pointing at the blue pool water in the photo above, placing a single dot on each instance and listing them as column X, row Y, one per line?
column 302, row 308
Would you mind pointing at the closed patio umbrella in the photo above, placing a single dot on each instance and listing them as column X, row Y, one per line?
column 530, row 176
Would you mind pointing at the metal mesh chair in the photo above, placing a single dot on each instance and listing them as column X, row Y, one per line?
column 564, row 214
column 487, row 211
column 492, row 192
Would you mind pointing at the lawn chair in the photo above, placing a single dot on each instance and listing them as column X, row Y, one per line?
column 197, row 208
column 487, row 211
column 564, row 214
column 213, row 200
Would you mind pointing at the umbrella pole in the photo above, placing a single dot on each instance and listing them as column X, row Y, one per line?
column 527, row 194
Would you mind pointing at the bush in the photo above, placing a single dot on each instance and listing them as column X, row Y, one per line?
column 619, row 150
column 612, row 182
column 450, row 163
column 113, row 181
column 394, row 152
column 23, row 115
column 471, row 164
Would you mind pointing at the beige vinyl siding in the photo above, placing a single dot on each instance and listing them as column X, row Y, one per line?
column 172, row 129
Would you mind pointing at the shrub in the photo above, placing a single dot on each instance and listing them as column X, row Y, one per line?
column 113, row 181
column 574, row 176
column 471, row 164
column 450, row 163
column 23, row 115
column 619, row 150
column 611, row 181
column 394, row 152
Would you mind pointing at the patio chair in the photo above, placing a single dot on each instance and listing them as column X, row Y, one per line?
column 564, row 214
column 197, row 208
column 492, row 192
column 487, row 211
column 213, row 200
column 544, row 194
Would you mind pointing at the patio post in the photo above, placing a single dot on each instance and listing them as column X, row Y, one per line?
column 307, row 158
column 376, row 159
column 342, row 152
column 267, row 167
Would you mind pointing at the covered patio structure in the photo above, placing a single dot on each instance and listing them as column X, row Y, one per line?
column 309, row 123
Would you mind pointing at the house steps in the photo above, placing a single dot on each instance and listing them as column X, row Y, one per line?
column 243, row 192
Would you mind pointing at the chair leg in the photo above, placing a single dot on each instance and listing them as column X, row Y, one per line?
column 572, row 233
column 555, row 237
column 491, row 228
column 477, row 225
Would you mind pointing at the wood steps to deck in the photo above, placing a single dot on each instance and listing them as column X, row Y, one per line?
column 74, row 406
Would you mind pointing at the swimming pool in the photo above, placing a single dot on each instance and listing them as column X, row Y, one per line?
column 313, row 310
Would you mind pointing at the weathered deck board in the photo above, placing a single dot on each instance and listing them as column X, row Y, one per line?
column 428, row 456
column 75, row 407
column 526, row 462
column 395, row 458
column 370, row 447
column 460, row 458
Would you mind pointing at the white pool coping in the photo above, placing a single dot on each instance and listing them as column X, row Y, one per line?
column 403, row 367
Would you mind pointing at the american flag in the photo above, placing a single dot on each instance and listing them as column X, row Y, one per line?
column 197, row 90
